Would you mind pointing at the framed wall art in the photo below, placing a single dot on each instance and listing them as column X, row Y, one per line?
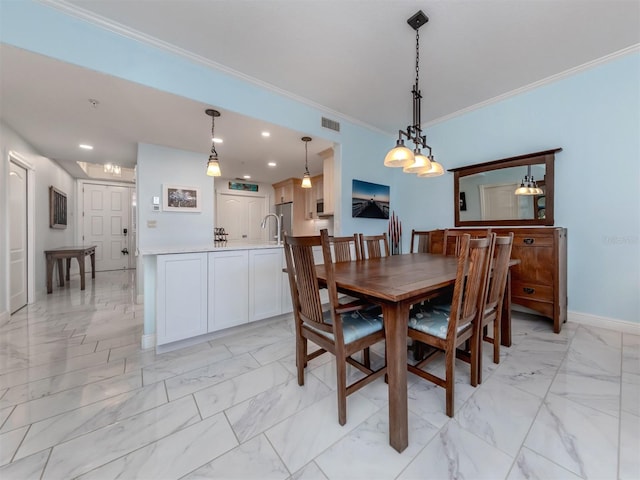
column 178, row 198
column 369, row 200
column 57, row 208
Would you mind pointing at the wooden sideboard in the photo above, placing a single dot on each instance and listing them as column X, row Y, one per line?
column 539, row 282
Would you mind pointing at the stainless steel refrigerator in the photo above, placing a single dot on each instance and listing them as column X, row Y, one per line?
column 285, row 212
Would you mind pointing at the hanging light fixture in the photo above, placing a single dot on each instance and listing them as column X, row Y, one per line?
column 306, row 178
column 401, row 156
column 528, row 186
column 213, row 166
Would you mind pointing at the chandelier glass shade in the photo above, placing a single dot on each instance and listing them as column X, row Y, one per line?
column 528, row 186
column 413, row 161
column 306, row 178
column 213, row 164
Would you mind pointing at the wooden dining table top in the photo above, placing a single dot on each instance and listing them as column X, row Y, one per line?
column 395, row 278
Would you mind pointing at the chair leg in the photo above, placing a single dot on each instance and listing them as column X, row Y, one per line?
column 496, row 339
column 341, row 373
column 301, row 358
column 475, row 358
column 366, row 357
column 450, row 359
column 479, row 363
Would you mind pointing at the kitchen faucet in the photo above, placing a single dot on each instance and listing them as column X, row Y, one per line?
column 264, row 223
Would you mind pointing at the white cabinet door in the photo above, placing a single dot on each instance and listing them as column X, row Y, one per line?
column 265, row 283
column 228, row 289
column 181, row 296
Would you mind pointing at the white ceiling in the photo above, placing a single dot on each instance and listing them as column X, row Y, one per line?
column 354, row 58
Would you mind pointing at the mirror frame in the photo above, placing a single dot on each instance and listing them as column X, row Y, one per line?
column 547, row 157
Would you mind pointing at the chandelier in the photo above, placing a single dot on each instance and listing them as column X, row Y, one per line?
column 528, row 186
column 414, row 161
column 306, row 178
column 112, row 169
column 213, row 166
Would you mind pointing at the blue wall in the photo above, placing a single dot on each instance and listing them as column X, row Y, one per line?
column 593, row 116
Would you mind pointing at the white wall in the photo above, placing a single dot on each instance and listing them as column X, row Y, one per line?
column 46, row 173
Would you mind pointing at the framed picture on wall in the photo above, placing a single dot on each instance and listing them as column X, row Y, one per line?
column 178, row 198
column 369, row 200
column 57, row 208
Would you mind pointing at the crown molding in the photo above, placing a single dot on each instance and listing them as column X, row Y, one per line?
column 539, row 83
column 127, row 32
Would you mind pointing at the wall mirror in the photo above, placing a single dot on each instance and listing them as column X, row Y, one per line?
column 484, row 193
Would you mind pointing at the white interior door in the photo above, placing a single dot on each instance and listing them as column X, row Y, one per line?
column 498, row 201
column 17, row 237
column 106, row 211
column 240, row 216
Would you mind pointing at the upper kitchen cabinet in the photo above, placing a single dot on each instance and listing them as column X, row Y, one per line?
column 314, row 198
column 290, row 191
column 328, row 186
column 284, row 191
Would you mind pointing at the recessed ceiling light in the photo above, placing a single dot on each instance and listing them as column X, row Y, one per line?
column 246, row 177
column 216, row 140
column 272, row 164
column 84, row 146
column 266, row 134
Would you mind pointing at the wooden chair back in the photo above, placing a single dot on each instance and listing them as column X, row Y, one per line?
column 494, row 296
column 374, row 246
column 421, row 241
column 452, row 238
column 303, row 280
column 342, row 248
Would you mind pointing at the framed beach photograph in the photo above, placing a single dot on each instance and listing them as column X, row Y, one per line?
column 369, row 200
column 179, row 198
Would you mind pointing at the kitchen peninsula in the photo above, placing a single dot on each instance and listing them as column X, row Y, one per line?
column 196, row 291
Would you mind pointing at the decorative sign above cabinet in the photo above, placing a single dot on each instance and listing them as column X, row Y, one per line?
column 484, row 193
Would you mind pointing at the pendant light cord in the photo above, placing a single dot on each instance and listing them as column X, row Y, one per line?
column 213, row 144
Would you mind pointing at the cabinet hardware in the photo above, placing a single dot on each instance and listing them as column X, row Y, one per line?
column 529, row 290
column 529, row 241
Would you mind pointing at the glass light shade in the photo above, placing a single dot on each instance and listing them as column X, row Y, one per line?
column 400, row 156
column 435, row 171
column 306, row 181
column 421, row 163
column 213, row 167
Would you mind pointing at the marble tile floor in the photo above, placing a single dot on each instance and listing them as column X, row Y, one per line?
column 80, row 399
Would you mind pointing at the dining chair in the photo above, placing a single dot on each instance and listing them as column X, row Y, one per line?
column 445, row 328
column 420, row 241
column 343, row 329
column 492, row 308
column 452, row 238
column 342, row 248
column 375, row 246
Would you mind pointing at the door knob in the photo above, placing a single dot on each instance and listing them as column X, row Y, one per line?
column 125, row 251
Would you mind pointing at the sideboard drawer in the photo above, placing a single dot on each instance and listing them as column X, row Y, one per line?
column 524, row 240
column 532, row 291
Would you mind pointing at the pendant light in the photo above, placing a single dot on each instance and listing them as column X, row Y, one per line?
column 402, row 156
column 528, row 186
column 306, row 178
column 213, row 165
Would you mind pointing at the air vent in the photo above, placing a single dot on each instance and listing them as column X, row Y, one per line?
column 330, row 124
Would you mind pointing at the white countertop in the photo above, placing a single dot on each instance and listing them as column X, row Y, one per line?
column 208, row 248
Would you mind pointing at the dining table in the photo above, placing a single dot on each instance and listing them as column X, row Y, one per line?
column 395, row 283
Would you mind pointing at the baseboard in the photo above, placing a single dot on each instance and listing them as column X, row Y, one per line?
column 622, row 326
column 4, row 317
column 148, row 341
column 139, row 299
